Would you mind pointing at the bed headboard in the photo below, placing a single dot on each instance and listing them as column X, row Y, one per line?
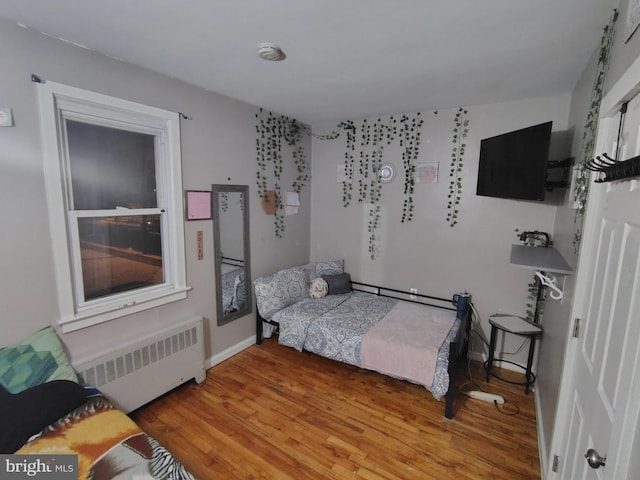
column 457, row 302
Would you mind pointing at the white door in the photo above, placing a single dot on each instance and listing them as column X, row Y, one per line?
column 600, row 396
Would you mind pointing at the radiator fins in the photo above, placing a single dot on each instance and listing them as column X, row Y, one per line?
column 110, row 370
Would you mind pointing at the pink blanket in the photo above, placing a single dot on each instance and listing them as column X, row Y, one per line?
column 405, row 343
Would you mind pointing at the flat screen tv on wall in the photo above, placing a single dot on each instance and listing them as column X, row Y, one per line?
column 514, row 165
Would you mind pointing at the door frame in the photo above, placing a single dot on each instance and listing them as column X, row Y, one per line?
column 627, row 86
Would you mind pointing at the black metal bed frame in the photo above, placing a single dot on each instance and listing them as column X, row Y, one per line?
column 458, row 348
column 236, row 262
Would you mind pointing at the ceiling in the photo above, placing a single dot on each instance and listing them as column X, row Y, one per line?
column 346, row 59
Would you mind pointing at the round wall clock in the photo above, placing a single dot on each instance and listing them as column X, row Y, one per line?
column 386, row 172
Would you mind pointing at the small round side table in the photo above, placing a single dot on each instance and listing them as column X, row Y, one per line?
column 516, row 326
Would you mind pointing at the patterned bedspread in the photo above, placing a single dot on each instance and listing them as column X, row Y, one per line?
column 108, row 443
column 233, row 296
column 334, row 327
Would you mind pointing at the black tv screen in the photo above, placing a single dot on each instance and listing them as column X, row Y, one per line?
column 514, row 165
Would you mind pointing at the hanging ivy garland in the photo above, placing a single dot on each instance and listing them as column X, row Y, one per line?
column 273, row 132
column 582, row 173
column 347, row 185
column 410, row 140
column 536, row 297
column 363, row 181
column 368, row 187
column 371, row 138
column 460, row 132
column 379, row 135
column 270, row 129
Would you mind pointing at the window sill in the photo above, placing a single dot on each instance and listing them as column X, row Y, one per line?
column 95, row 316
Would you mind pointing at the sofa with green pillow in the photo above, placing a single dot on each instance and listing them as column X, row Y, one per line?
column 45, row 410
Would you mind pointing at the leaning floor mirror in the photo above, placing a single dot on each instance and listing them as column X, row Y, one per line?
column 230, row 207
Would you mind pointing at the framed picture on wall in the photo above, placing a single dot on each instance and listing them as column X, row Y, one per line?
column 198, row 204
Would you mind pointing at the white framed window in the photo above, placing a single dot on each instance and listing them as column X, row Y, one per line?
column 114, row 192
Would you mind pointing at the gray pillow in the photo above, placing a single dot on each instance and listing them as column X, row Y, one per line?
column 338, row 283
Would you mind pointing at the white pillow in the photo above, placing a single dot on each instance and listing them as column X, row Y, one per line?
column 319, row 288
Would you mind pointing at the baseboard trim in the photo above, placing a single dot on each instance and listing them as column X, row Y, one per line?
column 229, row 352
column 542, row 449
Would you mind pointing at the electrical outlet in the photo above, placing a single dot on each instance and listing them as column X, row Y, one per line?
column 413, row 291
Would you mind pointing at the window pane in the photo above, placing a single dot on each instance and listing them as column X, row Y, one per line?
column 111, row 167
column 120, row 254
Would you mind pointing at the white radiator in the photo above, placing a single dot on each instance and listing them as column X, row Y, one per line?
column 140, row 371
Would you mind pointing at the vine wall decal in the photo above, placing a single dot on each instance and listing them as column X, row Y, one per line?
column 280, row 138
column 274, row 132
column 581, row 172
column 460, row 133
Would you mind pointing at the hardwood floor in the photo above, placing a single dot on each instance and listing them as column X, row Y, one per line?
column 272, row 412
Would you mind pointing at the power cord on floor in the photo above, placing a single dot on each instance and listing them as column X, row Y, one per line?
column 506, row 408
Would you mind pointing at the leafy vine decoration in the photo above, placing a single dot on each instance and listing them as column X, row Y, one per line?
column 379, row 135
column 273, row 133
column 270, row 129
column 368, row 187
column 460, row 133
column 276, row 131
column 347, row 185
column 410, row 140
column 582, row 173
column 370, row 138
column 365, row 161
column 536, row 293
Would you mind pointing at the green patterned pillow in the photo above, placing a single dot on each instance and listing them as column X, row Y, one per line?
column 36, row 360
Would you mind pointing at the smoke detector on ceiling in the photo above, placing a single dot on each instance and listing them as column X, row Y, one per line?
column 270, row 51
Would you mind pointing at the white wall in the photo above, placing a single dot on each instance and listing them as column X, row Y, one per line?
column 427, row 253
column 218, row 146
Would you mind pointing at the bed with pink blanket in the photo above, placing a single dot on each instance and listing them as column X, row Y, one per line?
column 421, row 339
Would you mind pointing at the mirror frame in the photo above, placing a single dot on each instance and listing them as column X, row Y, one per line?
column 216, row 190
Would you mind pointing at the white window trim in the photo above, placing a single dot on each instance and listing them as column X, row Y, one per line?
column 54, row 97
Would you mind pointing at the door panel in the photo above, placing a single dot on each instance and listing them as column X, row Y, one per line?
column 604, row 380
column 577, row 430
column 598, row 287
column 620, row 320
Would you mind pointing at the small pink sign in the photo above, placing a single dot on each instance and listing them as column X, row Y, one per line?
column 198, row 205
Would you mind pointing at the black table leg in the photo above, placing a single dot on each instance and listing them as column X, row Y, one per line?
column 532, row 347
column 492, row 349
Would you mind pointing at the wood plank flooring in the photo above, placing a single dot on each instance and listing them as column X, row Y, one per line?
column 271, row 412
